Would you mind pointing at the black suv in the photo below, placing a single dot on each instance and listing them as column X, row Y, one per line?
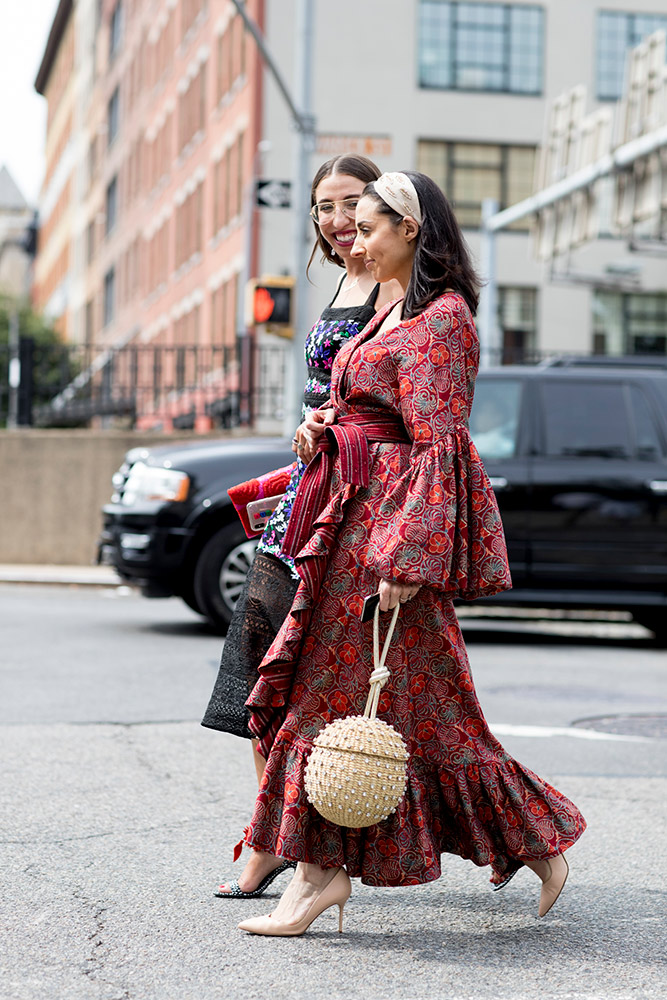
column 576, row 452
column 171, row 528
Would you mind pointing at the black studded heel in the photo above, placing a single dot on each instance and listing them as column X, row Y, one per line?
column 234, row 891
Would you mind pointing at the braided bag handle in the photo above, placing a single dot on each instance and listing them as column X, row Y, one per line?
column 380, row 674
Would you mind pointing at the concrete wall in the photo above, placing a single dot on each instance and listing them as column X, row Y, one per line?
column 53, row 486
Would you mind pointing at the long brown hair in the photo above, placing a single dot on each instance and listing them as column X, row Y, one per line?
column 354, row 166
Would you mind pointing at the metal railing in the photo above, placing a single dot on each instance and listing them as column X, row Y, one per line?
column 145, row 386
column 166, row 387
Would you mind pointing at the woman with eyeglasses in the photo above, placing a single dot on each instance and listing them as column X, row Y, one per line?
column 272, row 581
column 397, row 502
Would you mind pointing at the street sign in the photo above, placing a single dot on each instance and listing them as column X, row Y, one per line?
column 273, row 194
column 337, row 143
column 573, row 141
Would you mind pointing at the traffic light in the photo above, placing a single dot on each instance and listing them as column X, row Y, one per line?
column 269, row 304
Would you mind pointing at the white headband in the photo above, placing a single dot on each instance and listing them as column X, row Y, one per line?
column 398, row 191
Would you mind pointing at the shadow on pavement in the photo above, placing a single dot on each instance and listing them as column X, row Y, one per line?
column 484, row 632
column 521, row 633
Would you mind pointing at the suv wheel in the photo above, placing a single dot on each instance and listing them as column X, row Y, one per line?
column 220, row 573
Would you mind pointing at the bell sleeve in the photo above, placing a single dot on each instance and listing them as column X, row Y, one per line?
column 439, row 524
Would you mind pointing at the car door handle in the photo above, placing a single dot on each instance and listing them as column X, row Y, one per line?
column 657, row 485
column 498, row 482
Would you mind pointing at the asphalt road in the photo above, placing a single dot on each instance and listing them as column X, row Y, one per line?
column 119, row 812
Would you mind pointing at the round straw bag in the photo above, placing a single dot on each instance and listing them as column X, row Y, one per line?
column 357, row 771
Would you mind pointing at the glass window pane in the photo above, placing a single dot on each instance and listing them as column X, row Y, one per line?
column 586, row 419
column 525, row 51
column 480, row 46
column 432, row 160
column 435, row 68
column 473, row 154
column 468, row 216
column 518, row 307
column 647, row 438
column 494, row 419
column 473, row 184
column 520, row 173
column 617, row 32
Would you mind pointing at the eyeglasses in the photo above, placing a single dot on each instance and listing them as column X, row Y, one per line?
column 325, row 210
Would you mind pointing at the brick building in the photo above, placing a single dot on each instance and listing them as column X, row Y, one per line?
column 143, row 235
column 56, row 82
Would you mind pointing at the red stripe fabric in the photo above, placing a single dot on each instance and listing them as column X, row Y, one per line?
column 351, row 437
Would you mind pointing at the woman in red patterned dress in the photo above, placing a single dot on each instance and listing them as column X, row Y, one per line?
column 397, row 501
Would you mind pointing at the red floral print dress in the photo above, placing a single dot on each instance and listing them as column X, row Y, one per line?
column 429, row 516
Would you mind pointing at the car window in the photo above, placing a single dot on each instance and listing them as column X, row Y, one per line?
column 660, row 387
column 646, row 433
column 586, row 418
column 494, row 419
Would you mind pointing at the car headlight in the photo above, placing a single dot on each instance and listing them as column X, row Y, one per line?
column 149, row 483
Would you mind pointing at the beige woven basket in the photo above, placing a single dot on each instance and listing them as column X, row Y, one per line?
column 357, row 772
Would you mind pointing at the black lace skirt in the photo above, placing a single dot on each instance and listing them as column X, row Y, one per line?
column 261, row 609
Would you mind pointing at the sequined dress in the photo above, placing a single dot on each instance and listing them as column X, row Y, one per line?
column 272, row 581
column 334, row 328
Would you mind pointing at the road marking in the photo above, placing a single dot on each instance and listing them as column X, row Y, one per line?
column 545, row 732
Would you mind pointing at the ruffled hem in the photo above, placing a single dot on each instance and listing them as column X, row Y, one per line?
column 496, row 814
column 439, row 524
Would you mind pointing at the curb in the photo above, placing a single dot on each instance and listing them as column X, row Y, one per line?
column 81, row 576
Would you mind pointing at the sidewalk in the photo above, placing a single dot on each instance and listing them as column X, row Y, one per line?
column 88, row 576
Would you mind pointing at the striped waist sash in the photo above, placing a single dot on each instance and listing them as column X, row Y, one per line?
column 350, row 437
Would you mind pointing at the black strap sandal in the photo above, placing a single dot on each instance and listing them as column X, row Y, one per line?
column 508, row 878
column 234, row 891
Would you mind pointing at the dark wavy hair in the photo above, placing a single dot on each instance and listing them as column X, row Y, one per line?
column 442, row 258
column 354, row 166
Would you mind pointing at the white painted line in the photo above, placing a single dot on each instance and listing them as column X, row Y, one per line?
column 545, row 732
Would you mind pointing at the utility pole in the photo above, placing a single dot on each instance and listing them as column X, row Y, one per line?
column 304, row 143
column 14, row 373
column 488, row 302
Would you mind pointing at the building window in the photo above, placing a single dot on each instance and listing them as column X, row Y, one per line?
column 90, row 242
column 190, row 9
column 192, row 108
column 115, row 30
column 616, row 33
column 189, row 225
column 240, row 176
column 629, row 323
column 90, row 321
column 112, row 204
column 92, row 162
column 109, row 296
column 231, row 57
column 517, row 319
column 470, row 172
column 113, row 116
column 481, row 46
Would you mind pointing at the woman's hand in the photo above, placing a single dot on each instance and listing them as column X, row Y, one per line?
column 299, row 442
column 308, row 433
column 393, row 593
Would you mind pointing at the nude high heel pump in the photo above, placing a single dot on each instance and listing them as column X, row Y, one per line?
column 553, row 872
column 335, row 893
